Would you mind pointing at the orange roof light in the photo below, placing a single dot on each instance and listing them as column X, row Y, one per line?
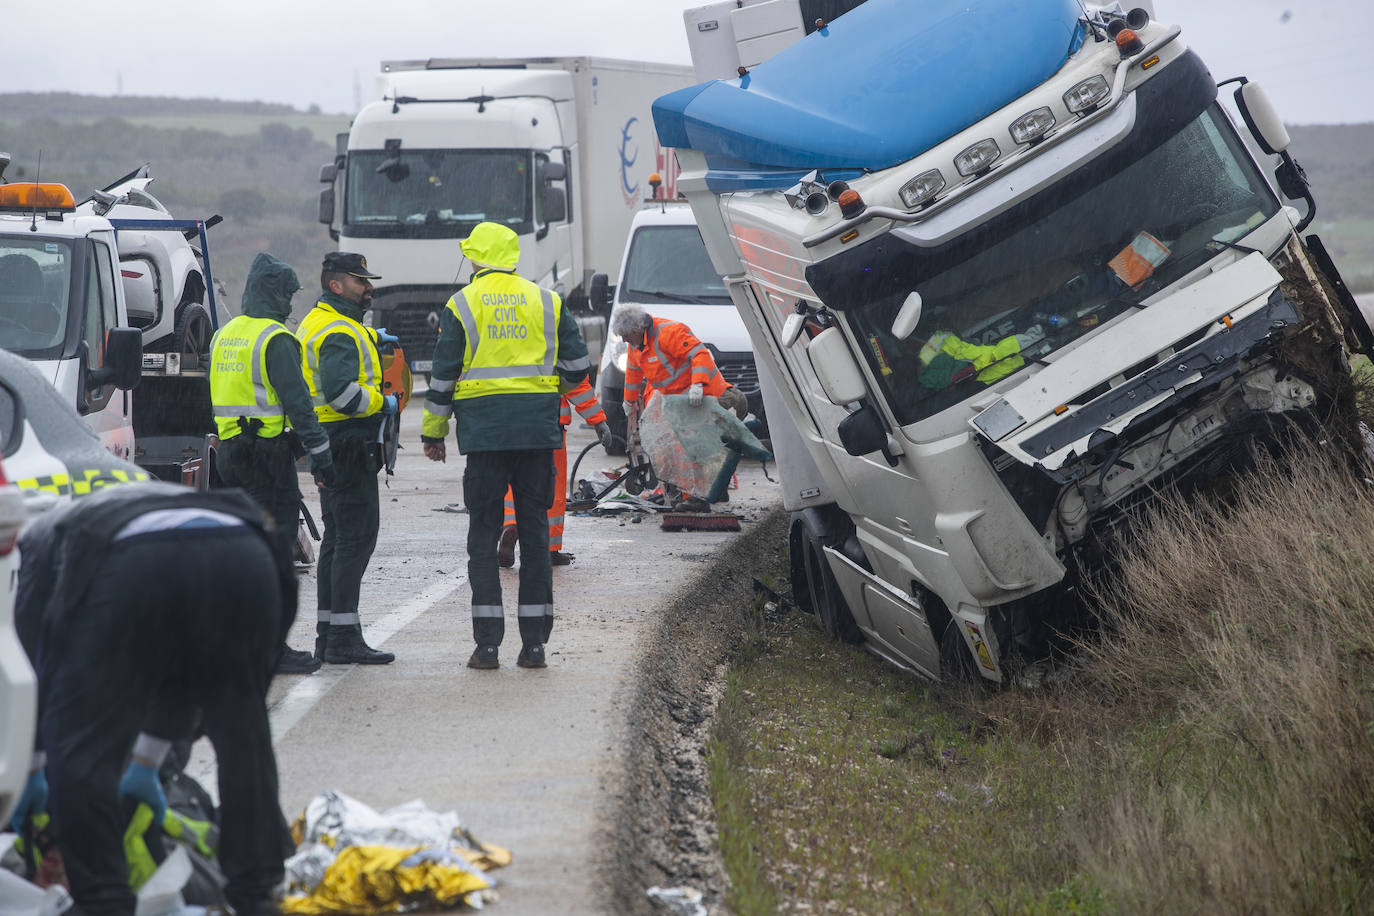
column 30, row 196
column 1128, row 42
column 851, row 204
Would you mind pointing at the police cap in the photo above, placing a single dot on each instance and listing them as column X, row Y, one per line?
column 346, row 262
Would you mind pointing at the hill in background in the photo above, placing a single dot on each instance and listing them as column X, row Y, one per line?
column 258, row 165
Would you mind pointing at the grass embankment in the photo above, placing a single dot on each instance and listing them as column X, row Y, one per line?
column 1214, row 753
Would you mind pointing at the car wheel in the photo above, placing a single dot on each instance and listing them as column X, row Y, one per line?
column 191, row 336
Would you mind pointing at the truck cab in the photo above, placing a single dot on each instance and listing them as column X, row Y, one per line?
column 667, row 272
column 1004, row 321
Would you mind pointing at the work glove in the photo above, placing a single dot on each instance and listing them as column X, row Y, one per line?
column 389, row 404
column 603, row 432
column 696, row 394
column 141, row 784
column 325, row 476
column 384, row 337
column 32, row 801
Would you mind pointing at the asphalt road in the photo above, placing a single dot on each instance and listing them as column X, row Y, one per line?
column 524, row 757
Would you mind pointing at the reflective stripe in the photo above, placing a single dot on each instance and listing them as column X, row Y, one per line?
column 364, row 351
column 486, row 610
column 322, row 616
column 491, row 372
column 81, row 483
column 248, row 410
column 581, row 400
column 550, row 331
column 351, row 391
column 573, row 365
column 469, row 322
column 555, row 520
column 441, row 385
column 438, row 410
column 343, row 620
column 321, row 448
column 535, row 610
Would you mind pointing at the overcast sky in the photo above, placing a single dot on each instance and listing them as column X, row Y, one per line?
column 1315, row 57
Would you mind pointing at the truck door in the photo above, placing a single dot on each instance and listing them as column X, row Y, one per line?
column 105, row 409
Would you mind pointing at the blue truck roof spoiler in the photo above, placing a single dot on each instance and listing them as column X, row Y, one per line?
column 883, row 83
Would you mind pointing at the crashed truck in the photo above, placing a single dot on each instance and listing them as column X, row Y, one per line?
column 1012, row 267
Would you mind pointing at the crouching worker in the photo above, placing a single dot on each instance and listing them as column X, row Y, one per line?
column 144, row 608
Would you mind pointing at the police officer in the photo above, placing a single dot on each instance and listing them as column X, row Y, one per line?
column 144, row 607
column 505, row 348
column 255, row 386
column 344, row 373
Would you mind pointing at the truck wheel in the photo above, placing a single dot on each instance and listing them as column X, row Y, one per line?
column 956, row 662
column 191, row 336
column 831, row 610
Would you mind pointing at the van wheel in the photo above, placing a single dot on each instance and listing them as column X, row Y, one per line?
column 191, row 336
column 827, row 601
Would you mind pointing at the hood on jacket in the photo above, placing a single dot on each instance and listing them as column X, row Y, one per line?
column 269, row 288
column 492, row 245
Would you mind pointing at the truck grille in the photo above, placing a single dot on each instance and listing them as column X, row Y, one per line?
column 416, row 324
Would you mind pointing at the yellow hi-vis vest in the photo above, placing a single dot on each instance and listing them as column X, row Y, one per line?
column 510, row 327
column 322, row 321
column 239, row 386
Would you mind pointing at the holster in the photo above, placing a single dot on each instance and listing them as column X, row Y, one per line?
column 294, row 443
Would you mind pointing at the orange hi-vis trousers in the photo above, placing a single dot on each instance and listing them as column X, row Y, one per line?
column 560, row 498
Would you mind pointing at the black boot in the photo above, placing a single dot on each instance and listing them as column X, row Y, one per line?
column 320, row 630
column 344, row 645
column 297, row 661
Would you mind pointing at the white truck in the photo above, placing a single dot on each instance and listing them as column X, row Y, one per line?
column 667, row 272
column 107, row 295
column 1014, row 267
column 559, row 149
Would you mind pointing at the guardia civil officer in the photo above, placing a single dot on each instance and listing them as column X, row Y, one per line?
column 146, row 607
column 256, row 385
column 344, row 373
column 505, row 348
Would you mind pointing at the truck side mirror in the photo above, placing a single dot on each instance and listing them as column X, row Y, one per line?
column 123, row 359
column 908, row 316
column 553, row 170
column 599, row 293
column 835, row 368
column 554, row 206
column 1262, row 118
column 862, row 433
column 327, row 205
column 327, row 173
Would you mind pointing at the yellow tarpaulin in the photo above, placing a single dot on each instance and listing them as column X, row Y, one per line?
column 382, row 879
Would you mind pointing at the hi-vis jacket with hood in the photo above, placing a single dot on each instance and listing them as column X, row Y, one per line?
column 255, row 364
column 506, row 349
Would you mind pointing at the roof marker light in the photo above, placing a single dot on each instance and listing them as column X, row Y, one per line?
column 978, row 158
column 27, row 195
column 921, row 189
column 1087, row 94
column 1032, row 126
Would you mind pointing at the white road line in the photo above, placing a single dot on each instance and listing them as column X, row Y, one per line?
column 309, row 690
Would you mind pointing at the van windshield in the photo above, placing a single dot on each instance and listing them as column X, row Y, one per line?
column 1078, row 254
column 35, row 285
column 670, row 264
column 439, row 193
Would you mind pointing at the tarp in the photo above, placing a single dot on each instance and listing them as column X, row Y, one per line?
column 685, row 442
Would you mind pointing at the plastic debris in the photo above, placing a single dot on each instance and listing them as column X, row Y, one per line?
column 21, row 898
column 681, row 901
column 685, row 443
column 351, row 858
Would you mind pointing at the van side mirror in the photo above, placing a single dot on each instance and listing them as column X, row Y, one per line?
column 600, row 293
column 123, row 359
column 1262, row 118
column 835, row 368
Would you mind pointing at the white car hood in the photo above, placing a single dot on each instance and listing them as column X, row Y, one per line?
column 1236, row 290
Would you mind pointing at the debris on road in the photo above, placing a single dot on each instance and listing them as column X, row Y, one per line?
column 350, row 858
column 681, row 901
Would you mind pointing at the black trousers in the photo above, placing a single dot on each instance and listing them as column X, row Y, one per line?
column 530, row 475
column 181, row 625
column 266, row 470
column 351, row 514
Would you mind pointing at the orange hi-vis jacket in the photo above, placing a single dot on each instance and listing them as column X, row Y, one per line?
column 584, row 399
column 671, row 361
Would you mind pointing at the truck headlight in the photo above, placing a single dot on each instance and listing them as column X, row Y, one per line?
column 1087, row 94
column 978, row 158
column 1032, row 126
column 921, row 188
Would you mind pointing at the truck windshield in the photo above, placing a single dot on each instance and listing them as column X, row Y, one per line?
column 1079, row 253
column 35, row 286
column 437, row 193
column 670, row 264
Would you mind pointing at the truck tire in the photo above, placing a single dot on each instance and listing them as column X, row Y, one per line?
column 827, row 601
column 192, row 333
column 957, row 666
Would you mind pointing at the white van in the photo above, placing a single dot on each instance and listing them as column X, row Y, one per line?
column 667, row 272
